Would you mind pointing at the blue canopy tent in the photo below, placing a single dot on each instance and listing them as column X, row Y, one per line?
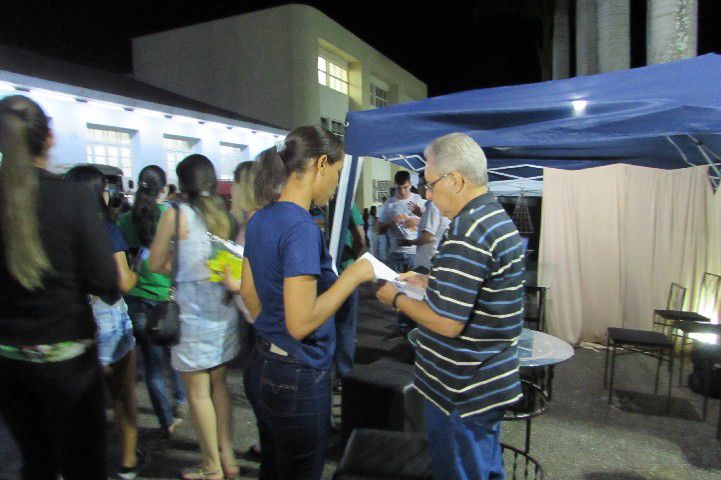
column 663, row 116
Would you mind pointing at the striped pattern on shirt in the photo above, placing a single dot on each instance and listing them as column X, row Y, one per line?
column 476, row 278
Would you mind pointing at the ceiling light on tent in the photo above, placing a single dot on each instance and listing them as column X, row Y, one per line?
column 579, row 106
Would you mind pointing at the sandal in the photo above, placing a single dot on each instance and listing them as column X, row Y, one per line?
column 200, row 473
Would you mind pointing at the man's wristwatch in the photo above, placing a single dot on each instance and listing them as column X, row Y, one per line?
column 395, row 301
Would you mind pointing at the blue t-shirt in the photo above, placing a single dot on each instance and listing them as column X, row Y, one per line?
column 283, row 241
column 117, row 241
column 117, row 244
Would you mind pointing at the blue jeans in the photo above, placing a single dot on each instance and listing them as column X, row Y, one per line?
column 345, row 326
column 156, row 360
column 291, row 403
column 403, row 262
column 464, row 448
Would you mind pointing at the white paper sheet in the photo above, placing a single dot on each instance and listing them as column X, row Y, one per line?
column 380, row 269
column 412, row 291
column 384, row 272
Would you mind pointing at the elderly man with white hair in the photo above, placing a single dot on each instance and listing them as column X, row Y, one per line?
column 469, row 323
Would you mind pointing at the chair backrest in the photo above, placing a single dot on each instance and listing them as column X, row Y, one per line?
column 534, row 306
column 708, row 296
column 519, row 465
column 676, row 296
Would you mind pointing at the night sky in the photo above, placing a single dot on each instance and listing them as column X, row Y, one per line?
column 452, row 45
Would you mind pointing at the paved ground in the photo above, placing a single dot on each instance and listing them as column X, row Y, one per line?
column 580, row 437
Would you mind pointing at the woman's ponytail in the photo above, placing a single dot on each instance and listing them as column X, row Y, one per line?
column 214, row 213
column 23, row 133
column 270, row 177
column 146, row 213
column 300, row 147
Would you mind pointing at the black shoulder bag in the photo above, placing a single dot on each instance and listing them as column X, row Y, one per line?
column 163, row 322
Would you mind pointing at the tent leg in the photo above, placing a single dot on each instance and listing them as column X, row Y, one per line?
column 343, row 200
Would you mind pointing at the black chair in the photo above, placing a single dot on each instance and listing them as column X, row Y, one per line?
column 708, row 296
column 535, row 383
column 665, row 319
column 386, row 455
column 534, row 307
column 520, row 465
column 709, row 357
column 657, row 344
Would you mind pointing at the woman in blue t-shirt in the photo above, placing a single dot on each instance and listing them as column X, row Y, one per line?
column 289, row 286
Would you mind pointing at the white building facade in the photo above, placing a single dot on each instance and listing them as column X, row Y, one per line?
column 97, row 125
column 288, row 66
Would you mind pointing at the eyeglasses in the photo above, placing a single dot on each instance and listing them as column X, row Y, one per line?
column 429, row 186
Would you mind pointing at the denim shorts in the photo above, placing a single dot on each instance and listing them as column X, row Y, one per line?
column 115, row 330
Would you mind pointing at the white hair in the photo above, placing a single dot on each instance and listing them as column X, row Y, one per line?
column 458, row 152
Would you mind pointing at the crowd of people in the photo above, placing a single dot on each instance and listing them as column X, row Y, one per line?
column 78, row 289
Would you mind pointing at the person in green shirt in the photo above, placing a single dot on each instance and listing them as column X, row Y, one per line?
column 138, row 228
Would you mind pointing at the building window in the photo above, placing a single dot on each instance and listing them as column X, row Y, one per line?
column 381, row 188
column 322, row 71
column 176, row 149
column 332, row 75
column 338, row 128
column 379, row 95
column 324, row 123
column 231, row 155
column 110, row 146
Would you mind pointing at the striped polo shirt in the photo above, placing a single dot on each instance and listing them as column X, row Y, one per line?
column 476, row 278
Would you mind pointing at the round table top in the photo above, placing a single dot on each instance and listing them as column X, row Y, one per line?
column 538, row 349
column 535, row 349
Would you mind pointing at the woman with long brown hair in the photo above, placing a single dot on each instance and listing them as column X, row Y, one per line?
column 209, row 336
column 55, row 251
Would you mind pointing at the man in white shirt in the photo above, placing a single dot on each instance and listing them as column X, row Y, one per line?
column 431, row 228
column 399, row 221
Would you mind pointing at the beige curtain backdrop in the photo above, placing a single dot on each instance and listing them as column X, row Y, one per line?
column 614, row 238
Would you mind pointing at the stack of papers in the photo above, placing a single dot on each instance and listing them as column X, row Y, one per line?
column 225, row 253
column 384, row 272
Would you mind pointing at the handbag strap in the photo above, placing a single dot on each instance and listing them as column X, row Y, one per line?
column 176, row 250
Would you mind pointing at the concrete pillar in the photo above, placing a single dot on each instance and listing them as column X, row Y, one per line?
column 586, row 38
column 672, row 30
column 614, row 38
column 561, row 51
